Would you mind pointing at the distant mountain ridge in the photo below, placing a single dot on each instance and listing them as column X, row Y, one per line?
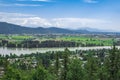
column 8, row 28
column 91, row 29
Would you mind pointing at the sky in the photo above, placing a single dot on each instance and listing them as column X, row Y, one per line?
column 70, row 14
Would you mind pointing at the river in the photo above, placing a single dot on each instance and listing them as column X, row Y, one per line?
column 18, row 51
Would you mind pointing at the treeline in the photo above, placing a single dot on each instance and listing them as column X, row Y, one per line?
column 63, row 65
column 38, row 44
column 43, row 44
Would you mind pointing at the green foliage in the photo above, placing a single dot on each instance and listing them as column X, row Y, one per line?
column 91, row 68
column 41, row 74
column 11, row 74
column 57, row 64
column 65, row 64
column 113, row 64
column 75, row 70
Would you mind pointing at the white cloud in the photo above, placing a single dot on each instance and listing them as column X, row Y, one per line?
column 76, row 23
column 36, row 21
column 90, row 1
column 20, row 5
column 24, row 19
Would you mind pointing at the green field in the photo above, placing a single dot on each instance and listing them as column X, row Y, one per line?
column 15, row 37
column 86, row 40
column 21, row 37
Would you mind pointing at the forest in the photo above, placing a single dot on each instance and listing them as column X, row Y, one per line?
column 102, row 64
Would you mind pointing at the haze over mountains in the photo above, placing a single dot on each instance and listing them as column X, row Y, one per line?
column 8, row 28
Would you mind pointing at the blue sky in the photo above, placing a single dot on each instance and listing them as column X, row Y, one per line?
column 71, row 14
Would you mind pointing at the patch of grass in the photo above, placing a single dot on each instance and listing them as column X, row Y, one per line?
column 3, row 36
column 19, row 37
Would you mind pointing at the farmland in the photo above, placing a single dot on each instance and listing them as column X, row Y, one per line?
column 56, row 40
column 88, row 40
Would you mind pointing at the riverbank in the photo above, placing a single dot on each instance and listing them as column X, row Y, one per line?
column 18, row 51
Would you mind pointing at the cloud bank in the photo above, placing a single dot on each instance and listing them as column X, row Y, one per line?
column 36, row 21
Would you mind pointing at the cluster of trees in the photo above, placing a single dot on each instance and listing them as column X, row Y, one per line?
column 67, row 65
column 47, row 43
column 90, row 44
column 36, row 44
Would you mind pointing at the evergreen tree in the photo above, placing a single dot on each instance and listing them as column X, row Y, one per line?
column 42, row 74
column 75, row 70
column 57, row 65
column 113, row 64
column 91, row 68
column 65, row 64
column 11, row 74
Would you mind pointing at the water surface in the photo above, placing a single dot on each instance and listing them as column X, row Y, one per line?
column 18, row 51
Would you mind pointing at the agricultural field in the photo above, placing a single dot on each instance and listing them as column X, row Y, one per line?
column 58, row 40
column 83, row 39
column 88, row 40
column 16, row 37
column 21, row 37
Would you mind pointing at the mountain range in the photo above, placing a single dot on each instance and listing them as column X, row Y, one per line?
column 8, row 28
